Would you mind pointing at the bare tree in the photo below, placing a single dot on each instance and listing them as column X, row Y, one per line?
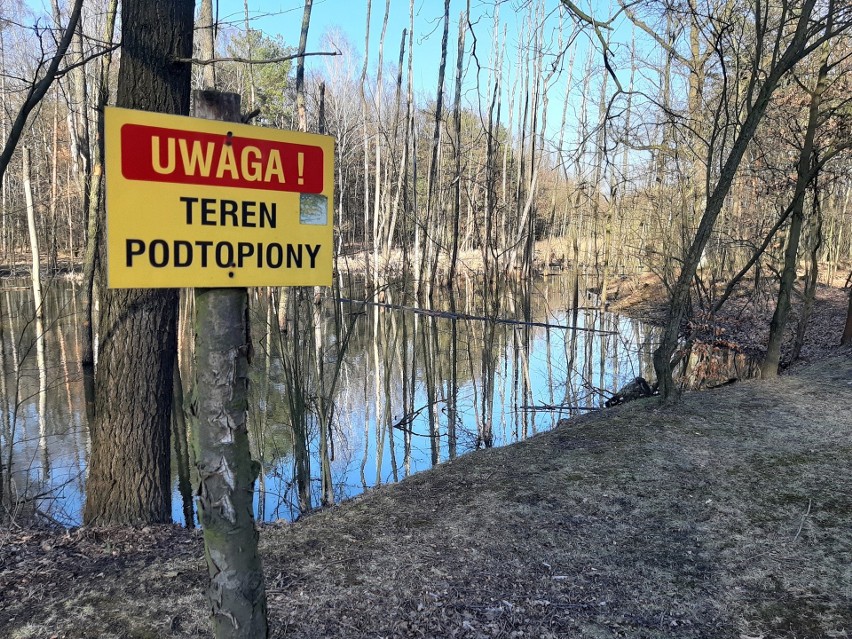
column 769, row 368
column 38, row 87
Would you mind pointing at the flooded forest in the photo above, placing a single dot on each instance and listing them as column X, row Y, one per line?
column 532, row 207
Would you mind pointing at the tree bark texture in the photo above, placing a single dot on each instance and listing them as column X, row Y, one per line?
column 129, row 469
column 237, row 594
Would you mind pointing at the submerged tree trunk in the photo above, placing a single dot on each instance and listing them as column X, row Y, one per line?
column 295, row 372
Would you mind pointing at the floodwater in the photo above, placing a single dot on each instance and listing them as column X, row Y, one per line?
column 403, row 387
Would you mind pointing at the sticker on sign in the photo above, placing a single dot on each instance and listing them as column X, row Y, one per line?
column 205, row 203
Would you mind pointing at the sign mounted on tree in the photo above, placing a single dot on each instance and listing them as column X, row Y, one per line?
column 205, row 203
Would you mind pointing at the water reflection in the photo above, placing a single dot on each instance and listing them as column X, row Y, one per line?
column 42, row 400
column 345, row 394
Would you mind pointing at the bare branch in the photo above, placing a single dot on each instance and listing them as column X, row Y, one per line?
column 38, row 88
column 284, row 58
column 87, row 59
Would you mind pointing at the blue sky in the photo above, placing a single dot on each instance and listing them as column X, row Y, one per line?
column 283, row 17
column 349, row 16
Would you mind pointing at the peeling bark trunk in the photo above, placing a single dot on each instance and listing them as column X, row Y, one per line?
column 237, row 594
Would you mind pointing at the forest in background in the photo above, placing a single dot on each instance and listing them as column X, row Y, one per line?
column 561, row 144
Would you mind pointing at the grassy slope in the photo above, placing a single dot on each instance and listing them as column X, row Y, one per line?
column 729, row 515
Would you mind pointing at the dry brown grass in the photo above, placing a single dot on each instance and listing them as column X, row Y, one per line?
column 729, row 515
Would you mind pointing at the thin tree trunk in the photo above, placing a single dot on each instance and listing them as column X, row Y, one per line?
column 300, row 67
column 207, row 42
column 180, row 440
column 380, row 195
column 366, row 146
column 771, row 362
column 38, row 302
column 95, row 211
column 295, row 371
column 457, row 203
column 237, row 594
column 436, row 142
column 815, row 242
column 34, row 245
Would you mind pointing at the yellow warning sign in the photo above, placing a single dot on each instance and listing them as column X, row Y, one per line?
column 205, row 203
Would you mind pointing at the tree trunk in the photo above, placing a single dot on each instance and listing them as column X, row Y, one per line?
column 366, row 147
column 34, row 245
column 207, row 42
column 300, row 67
column 94, row 212
column 237, row 594
column 180, row 439
column 129, row 470
column 454, row 237
column 436, row 142
column 770, row 365
column 815, row 241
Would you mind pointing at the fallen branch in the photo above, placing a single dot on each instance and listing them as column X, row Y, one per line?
column 555, row 408
column 802, row 523
column 480, row 318
column 283, row 58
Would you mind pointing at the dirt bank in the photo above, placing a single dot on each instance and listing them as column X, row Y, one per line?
column 729, row 515
column 742, row 325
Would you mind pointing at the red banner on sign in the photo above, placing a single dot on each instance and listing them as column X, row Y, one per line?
column 157, row 154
